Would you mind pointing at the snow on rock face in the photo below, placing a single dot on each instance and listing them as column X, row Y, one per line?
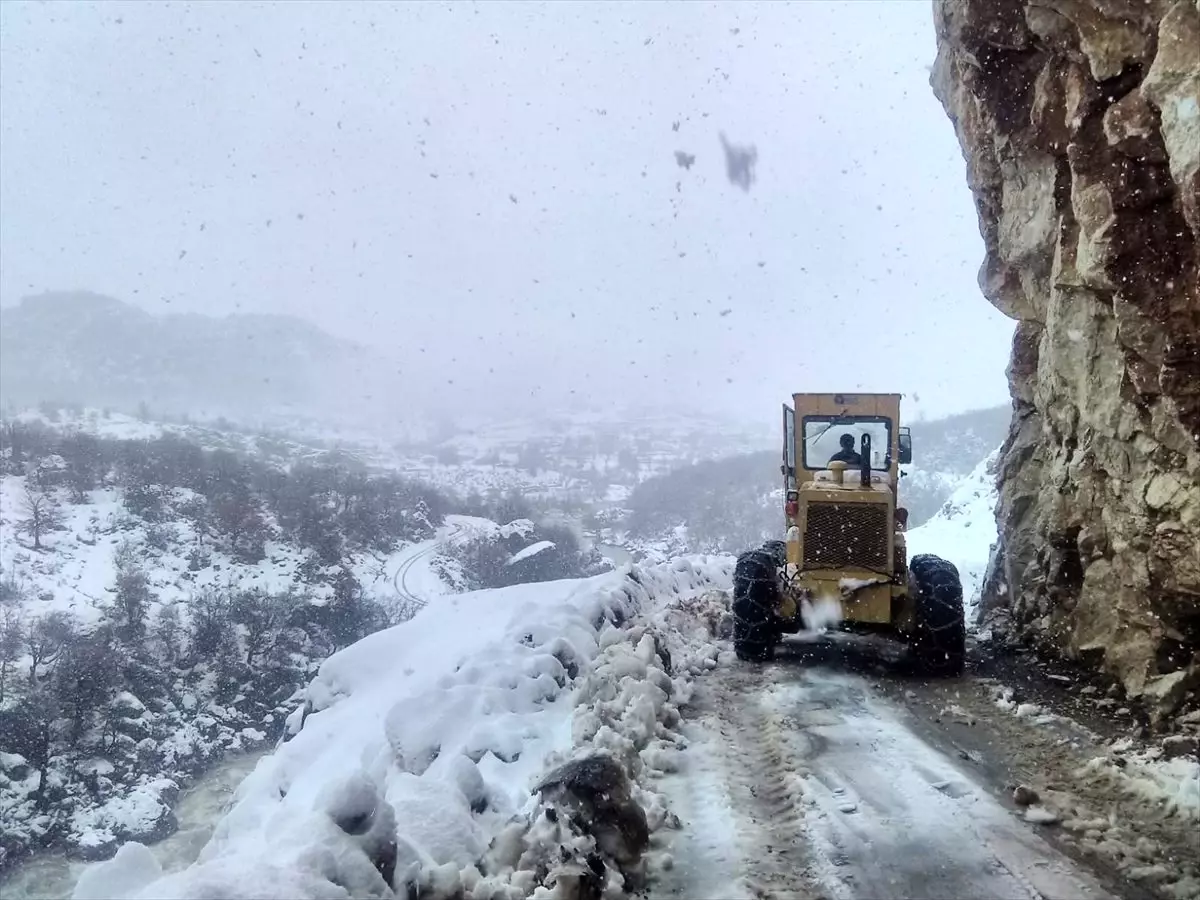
column 1079, row 128
column 142, row 814
column 597, row 788
column 964, row 531
column 414, row 767
column 531, row 550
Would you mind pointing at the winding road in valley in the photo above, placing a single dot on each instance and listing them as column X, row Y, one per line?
column 404, row 570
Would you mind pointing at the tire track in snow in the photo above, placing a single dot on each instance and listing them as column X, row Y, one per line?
column 400, row 579
column 831, row 794
column 764, row 789
column 896, row 818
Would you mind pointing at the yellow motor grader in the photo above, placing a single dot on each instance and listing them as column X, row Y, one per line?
column 843, row 561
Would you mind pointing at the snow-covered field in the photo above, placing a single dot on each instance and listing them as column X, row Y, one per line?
column 433, row 733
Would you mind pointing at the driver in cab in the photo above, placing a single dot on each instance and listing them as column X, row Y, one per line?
column 847, row 454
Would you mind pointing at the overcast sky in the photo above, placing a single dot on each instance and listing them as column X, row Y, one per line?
column 490, row 191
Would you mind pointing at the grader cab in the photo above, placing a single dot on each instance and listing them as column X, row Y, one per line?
column 843, row 561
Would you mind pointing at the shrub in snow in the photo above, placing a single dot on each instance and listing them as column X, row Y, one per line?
column 142, row 814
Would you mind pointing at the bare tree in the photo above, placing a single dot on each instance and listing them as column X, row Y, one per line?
column 84, row 462
column 41, row 515
column 12, row 640
column 263, row 616
column 28, row 732
column 45, row 639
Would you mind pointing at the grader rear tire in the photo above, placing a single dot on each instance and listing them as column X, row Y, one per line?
column 755, row 601
column 939, row 641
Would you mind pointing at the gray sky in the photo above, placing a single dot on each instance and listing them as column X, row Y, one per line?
column 490, row 192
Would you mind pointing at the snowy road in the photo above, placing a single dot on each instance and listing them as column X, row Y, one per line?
column 400, row 579
column 807, row 782
column 412, row 579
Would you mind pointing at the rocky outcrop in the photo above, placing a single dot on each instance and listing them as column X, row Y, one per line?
column 1080, row 125
column 595, row 793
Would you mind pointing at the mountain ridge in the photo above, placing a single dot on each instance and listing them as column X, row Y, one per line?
column 87, row 348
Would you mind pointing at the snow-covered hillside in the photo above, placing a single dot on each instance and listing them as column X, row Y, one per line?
column 210, row 570
column 580, row 461
column 729, row 504
column 161, row 600
column 59, row 603
column 416, row 757
column 79, row 569
column 964, row 530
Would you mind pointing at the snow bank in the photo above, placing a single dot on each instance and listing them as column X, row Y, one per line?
column 1150, row 786
column 414, row 758
column 964, row 530
column 1170, row 784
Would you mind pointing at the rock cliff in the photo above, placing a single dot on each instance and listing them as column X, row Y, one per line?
column 1080, row 124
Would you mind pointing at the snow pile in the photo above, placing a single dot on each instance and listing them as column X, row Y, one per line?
column 599, row 807
column 1168, row 784
column 1171, row 784
column 964, row 530
column 1005, row 700
column 123, row 875
column 411, row 763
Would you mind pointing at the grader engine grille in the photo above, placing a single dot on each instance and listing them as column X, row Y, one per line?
column 837, row 535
